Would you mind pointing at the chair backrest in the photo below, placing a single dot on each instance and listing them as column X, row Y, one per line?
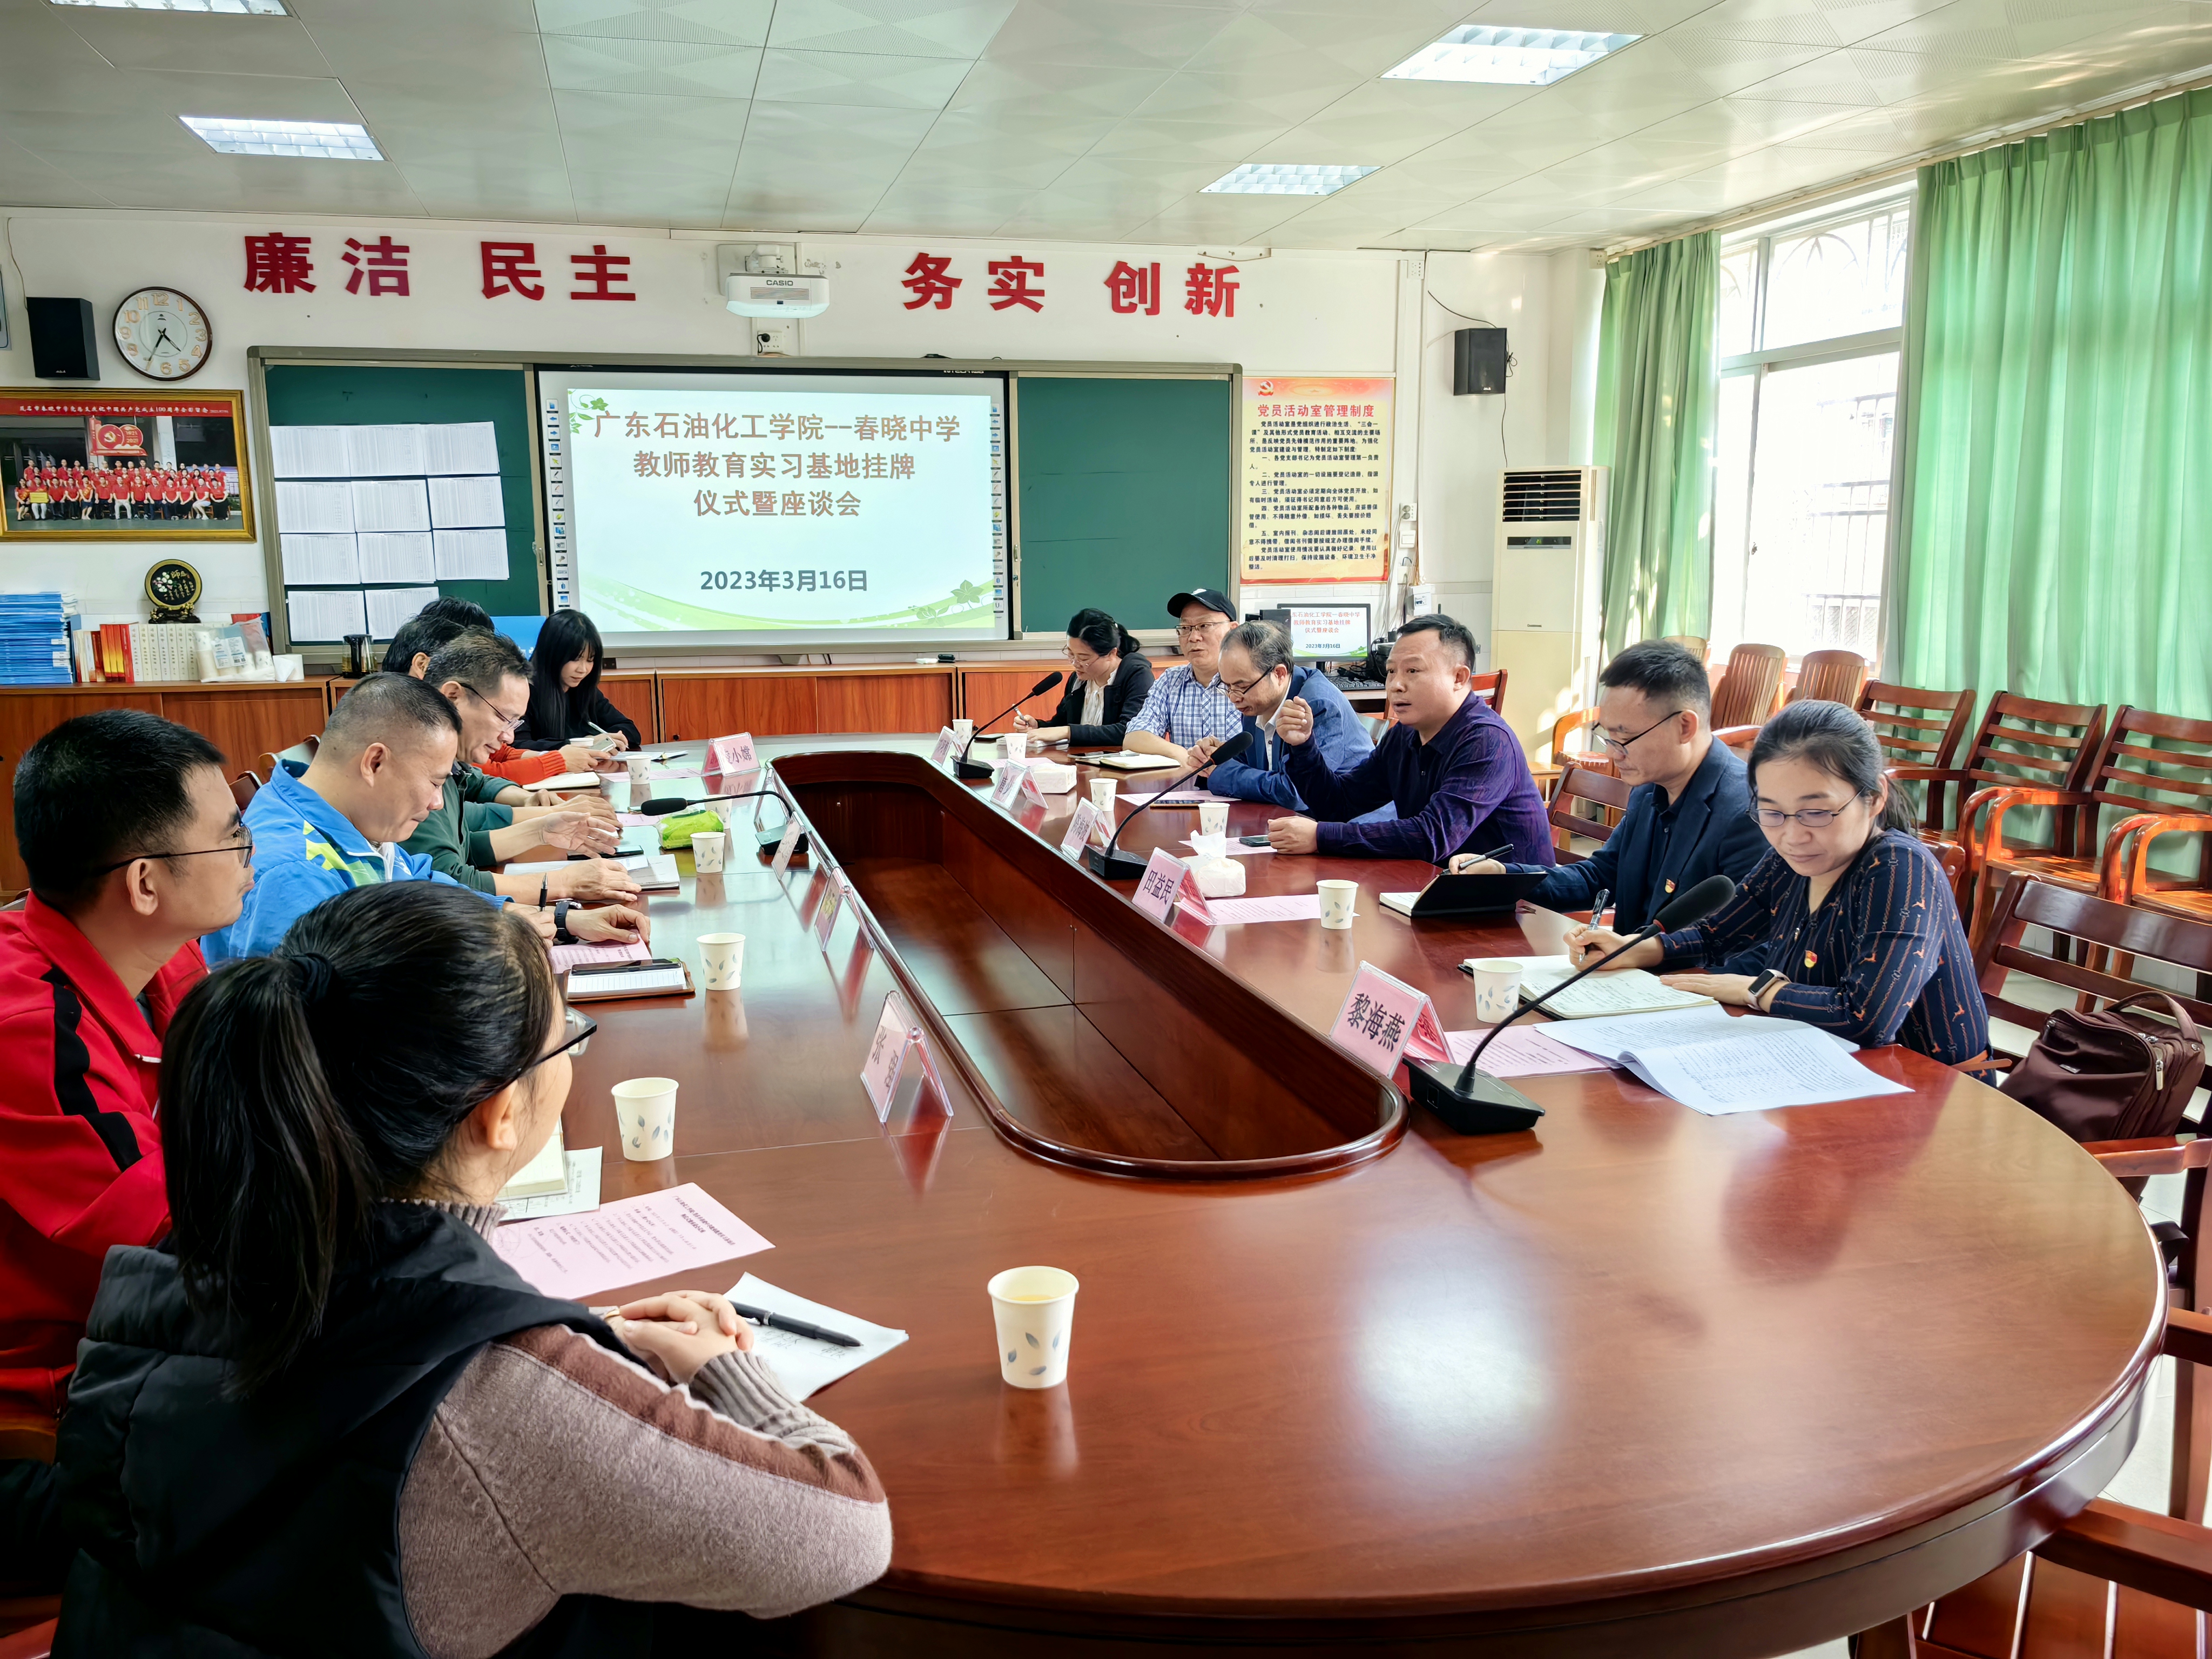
column 1745, row 694
column 2154, row 762
column 1590, row 756
column 2043, row 746
column 1608, row 795
column 1375, row 725
column 299, row 754
column 243, row 788
column 1830, row 677
column 1691, row 643
column 1490, row 686
column 1916, row 727
column 2108, row 927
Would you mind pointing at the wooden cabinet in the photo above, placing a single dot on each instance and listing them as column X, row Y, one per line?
column 797, row 702
column 920, row 701
column 632, row 691
column 985, row 690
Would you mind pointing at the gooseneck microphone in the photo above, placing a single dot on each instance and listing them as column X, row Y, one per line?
column 974, row 772
column 1128, row 866
column 1474, row 1103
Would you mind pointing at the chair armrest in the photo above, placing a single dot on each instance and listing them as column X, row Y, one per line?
column 1733, row 735
column 2143, row 827
column 2153, row 1553
column 2157, row 1155
column 2188, row 1336
column 1926, row 774
column 1998, row 801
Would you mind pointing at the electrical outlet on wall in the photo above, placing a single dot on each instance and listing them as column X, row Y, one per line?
column 774, row 339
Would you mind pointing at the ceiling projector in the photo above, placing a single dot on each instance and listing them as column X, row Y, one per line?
column 768, row 296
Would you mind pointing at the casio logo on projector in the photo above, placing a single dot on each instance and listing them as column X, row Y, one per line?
column 750, row 295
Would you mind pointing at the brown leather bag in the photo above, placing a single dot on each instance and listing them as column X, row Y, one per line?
column 2111, row 1076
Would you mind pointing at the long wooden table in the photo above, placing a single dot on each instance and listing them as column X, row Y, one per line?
column 1639, row 1382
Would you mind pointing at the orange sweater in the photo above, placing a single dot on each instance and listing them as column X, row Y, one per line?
column 524, row 766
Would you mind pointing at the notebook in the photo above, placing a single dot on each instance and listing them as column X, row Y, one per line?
column 548, row 1172
column 1124, row 760
column 1629, row 991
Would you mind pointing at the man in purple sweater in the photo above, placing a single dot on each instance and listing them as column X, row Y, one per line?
column 1453, row 770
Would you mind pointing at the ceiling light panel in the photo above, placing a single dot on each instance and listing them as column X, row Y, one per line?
column 323, row 141
column 1276, row 179
column 234, row 8
column 1508, row 56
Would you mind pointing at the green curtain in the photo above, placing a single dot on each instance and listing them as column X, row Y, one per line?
column 2058, row 444
column 1658, row 400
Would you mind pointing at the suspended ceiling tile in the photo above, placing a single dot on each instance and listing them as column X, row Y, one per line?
column 1732, row 126
column 1488, row 217
column 1033, row 92
column 1731, row 66
column 1871, row 132
column 1351, row 40
column 1453, row 178
column 187, row 41
column 33, row 181
column 1119, row 189
column 800, row 199
column 257, row 183
column 678, row 133
column 640, row 196
column 520, row 189
column 1252, row 99
column 1205, row 219
column 1107, row 32
column 1206, row 148
column 1680, row 196
column 828, row 133
column 1797, row 22
column 1044, row 218
column 579, row 63
column 413, row 45
column 924, row 28
column 457, row 18
column 708, row 22
column 851, row 77
column 1506, row 148
column 961, row 149
column 918, row 209
column 1353, row 141
column 1605, row 222
column 1597, row 16
column 1966, row 28
column 1832, row 78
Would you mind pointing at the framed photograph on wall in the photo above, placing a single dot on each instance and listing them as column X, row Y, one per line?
column 122, row 465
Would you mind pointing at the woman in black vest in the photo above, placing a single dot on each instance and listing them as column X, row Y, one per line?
column 1110, row 684
column 566, row 704
column 327, row 1418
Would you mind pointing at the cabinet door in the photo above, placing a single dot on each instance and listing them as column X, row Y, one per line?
column 716, row 705
column 246, row 725
column 882, row 702
column 24, row 721
column 985, row 692
column 633, row 695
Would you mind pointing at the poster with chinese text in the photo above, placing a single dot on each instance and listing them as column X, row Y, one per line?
column 1316, row 479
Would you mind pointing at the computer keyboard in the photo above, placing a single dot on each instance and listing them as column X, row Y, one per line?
column 1355, row 685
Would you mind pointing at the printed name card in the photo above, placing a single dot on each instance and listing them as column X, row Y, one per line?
column 1012, row 776
column 1383, row 1019
column 897, row 1042
column 1190, row 899
column 783, row 848
column 1162, row 881
column 1081, row 829
column 733, row 754
column 825, row 919
column 1029, row 793
column 939, row 755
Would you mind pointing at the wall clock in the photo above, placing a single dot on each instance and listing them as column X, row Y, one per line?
column 172, row 588
column 163, row 334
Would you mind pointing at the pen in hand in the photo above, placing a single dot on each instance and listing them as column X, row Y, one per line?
column 1597, row 911
column 778, row 1321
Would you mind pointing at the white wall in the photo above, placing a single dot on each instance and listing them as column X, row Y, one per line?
column 1297, row 312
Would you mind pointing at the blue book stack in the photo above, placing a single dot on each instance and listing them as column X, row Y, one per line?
column 35, row 638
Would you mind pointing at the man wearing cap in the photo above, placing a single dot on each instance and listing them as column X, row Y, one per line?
column 1187, row 703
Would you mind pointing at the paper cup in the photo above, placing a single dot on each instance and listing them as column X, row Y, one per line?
column 1213, row 818
column 635, row 766
column 1336, row 901
column 1496, row 988
column 1034, row 1311
column 708, row 847
column 962, row 731
column 1014, row 745
column 1545, row 930
column 1102, row 796
column 617, row 791
column 721, row 956
column 645, row 1115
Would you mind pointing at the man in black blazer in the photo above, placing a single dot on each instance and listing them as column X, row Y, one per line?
column 1690, row 815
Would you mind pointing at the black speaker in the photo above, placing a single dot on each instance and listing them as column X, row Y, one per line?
column 65, row 342
column 1478, row 360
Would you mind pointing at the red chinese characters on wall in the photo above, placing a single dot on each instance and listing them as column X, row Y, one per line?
column 1132, row 290
column 511, row 268
column 383, row 262
column 277, row 263
column 927, row 280
column 1010, row 283
column 282, row 264
column 596, row 269
column 1207, row 291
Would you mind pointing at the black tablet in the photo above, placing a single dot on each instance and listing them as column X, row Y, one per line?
column 1466, row 895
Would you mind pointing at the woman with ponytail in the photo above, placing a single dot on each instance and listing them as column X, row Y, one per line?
column 1110, row 681
column 1848, row 923
column 327, row 1418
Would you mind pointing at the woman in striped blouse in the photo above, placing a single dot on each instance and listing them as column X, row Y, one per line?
column 1848, row 923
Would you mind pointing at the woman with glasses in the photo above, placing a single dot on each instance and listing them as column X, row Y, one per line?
column 1107, row 689
column 1848, row 923
column 329, row 1405
column 566, row 704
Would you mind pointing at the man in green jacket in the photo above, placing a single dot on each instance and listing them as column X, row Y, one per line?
column 485, row 678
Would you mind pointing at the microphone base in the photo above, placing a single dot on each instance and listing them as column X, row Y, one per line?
column 969, row 771
column 1114, row 866
column 1488, row 1106
column 770, row 840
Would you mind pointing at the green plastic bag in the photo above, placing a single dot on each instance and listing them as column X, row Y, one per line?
column 678, row 830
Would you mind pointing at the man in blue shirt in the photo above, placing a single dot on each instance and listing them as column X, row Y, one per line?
column 1259, row 676
column 1187, row 703
column 1690, row 815
column 1453, row 770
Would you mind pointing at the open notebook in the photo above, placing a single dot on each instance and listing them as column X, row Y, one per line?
column 1717, row 1062
column 1629, row 991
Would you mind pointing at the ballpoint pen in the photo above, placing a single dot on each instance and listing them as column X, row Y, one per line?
column 773, row 1320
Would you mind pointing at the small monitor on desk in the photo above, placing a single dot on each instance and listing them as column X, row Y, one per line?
column 1327, row 633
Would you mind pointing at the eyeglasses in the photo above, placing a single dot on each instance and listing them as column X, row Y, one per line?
column 506, row 722
column 1811, row 817
column 243, row 846
column 1200, row 630
column 1236, row 688
column 579, row 1029
column 1619, row 745
column 1088, row 660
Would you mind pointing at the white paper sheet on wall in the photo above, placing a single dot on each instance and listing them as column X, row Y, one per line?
column 325, row 615
column 471, row 555
column 386, row 452
column 460, row 447
column 312, row 509
column 388, row 607
column 321, row 560
column 463, row 503
column 399, row 504
column 396, row 555
column 308, row 452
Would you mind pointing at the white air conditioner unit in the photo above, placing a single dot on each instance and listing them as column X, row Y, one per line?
column 1546, row 595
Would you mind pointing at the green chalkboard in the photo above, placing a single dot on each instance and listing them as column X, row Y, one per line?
column 325, row 394
column 1126, row 491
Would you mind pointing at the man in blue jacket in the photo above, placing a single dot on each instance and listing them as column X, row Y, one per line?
column 1690, row 814
column 1259, row 676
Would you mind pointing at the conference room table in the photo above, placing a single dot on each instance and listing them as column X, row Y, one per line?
column 1638, row 1381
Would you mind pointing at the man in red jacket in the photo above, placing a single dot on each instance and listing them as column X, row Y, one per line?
column 135, row 850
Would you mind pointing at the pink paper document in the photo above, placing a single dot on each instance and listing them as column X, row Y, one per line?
column 1523, row 1051
column 625, row 1242
column 566, row 957
column 1282, row 906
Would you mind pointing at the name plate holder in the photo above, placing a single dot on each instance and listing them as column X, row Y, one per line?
column 942, row 751
column 825, row 917
column 1169, row 883
column 781, row 863
column 1082, row 829
column 1013, row 774
column 1383, row 1020
column 899, row 1044
column 733, row 754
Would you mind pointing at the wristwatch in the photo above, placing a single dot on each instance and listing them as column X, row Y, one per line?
column 561, row 933
column 1765, row 980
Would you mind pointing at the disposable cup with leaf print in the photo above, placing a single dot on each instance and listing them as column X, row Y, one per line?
column 645, row 1115
column 1034, row 1309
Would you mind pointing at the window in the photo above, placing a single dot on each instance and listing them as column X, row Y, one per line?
column 1812, row 314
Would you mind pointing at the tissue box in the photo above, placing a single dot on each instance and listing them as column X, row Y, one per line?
column 1052, row 777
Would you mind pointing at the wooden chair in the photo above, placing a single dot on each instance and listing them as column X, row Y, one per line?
column 243, row 788
column 1490, row 686
column 1606, row 796
column 1592, row 758
column 35, row 1643
column 1691, row 643
column 1830, row 677
column 2155, row 771
column 1918, row 728
column 1748, row 690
